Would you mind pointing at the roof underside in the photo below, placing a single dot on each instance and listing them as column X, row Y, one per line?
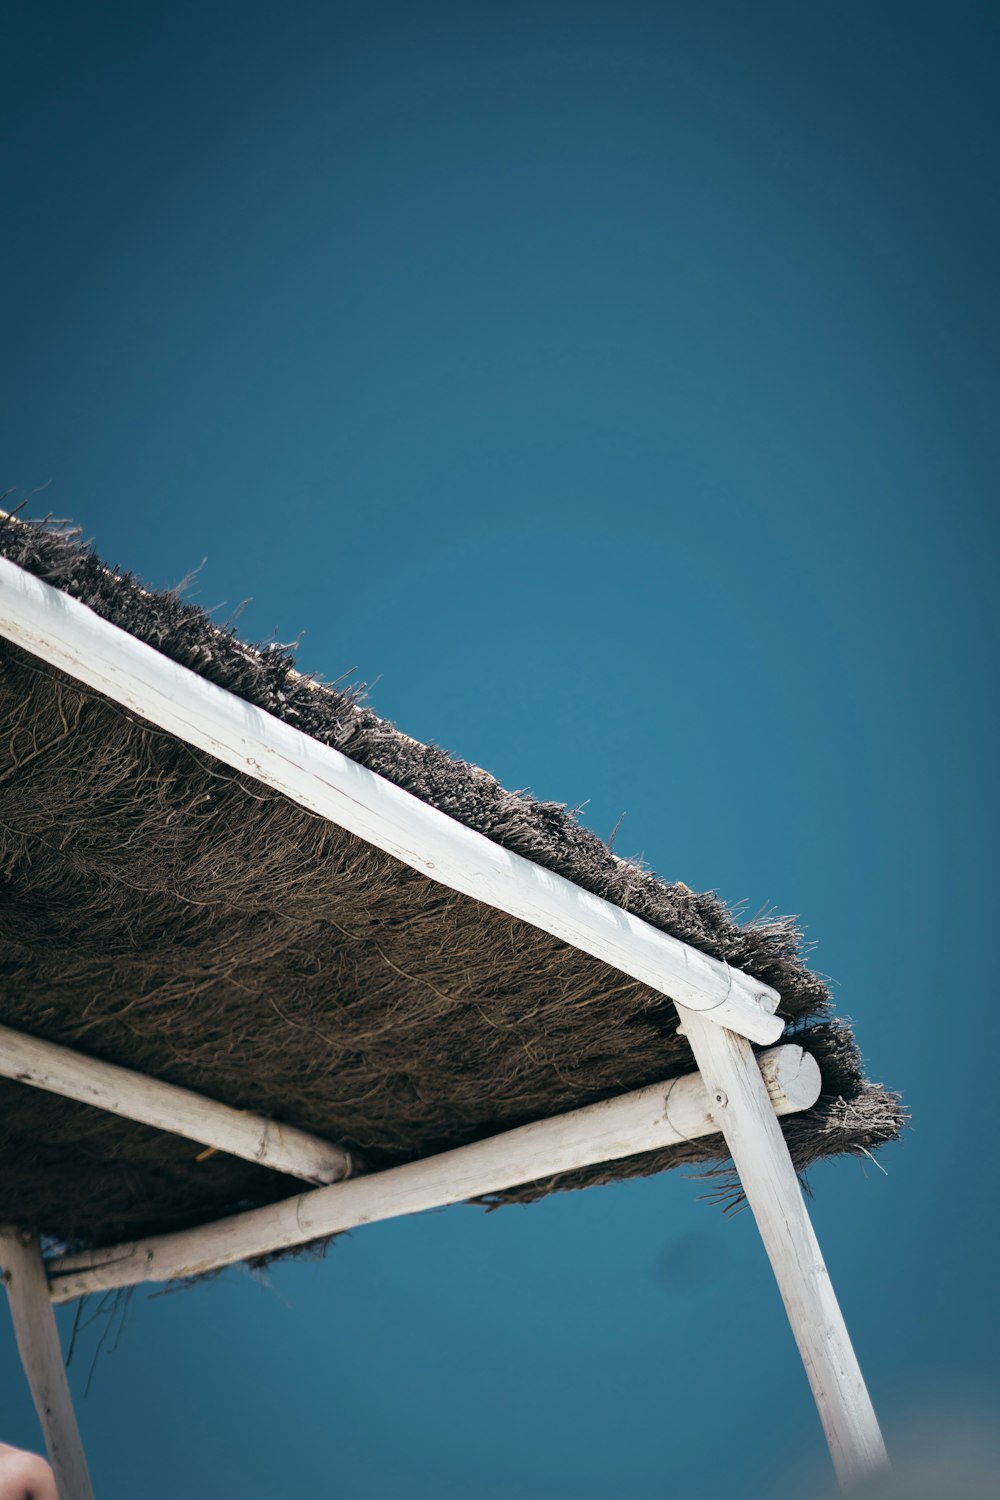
column 163, row 912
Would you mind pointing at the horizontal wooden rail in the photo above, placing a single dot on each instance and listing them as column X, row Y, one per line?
column 72, row 638
column 58, row 1070
column 646, row 1120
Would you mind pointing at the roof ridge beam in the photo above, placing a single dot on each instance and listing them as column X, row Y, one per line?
column 71, row 637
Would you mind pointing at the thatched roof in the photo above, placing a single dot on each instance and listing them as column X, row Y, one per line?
column 163, row 912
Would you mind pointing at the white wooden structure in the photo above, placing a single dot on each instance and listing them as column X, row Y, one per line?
column 644, row 1120
column 41, row 1355
column 735, row 1091
column 59, row 1070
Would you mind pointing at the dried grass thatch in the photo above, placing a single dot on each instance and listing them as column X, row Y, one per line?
column 163, row 912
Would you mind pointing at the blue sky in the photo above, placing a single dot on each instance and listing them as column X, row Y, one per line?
column 613, row 387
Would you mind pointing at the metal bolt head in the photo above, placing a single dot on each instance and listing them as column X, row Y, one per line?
column 721, row 1098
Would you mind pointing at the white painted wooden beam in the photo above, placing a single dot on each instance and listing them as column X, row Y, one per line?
column 69, row 636
column 59, row 1070
column 41, row 1355
column 744, row 1113
column 645, row 1120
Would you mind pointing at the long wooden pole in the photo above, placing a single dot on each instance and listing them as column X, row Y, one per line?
column 645, row 1120
column 745, row 1114
column 59, row 1070
column 69, row 636
column 41, row 1355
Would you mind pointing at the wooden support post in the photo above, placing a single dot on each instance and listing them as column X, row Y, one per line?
column 746, row 1117
column 41, row 1355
